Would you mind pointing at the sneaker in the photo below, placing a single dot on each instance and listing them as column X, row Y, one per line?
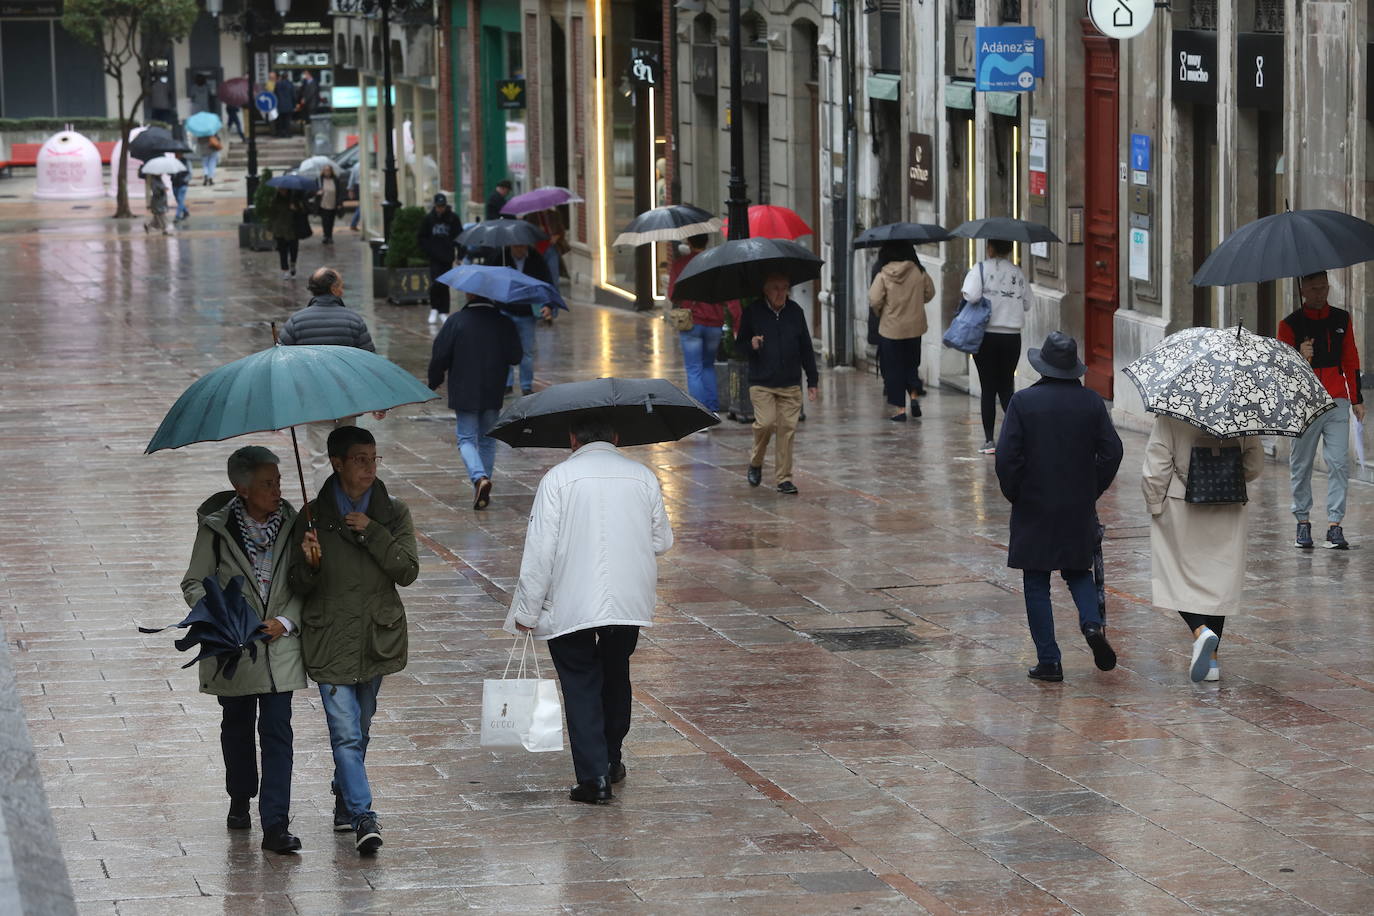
column 898, row 417
column 787, row 488
column 1213, row 672
column 369, row 836
column 342, row 822
column 1335, row 539
column 1303, row 539
column 286, row 275
column 1203, row 647
column 988, row 448
column 526, row 392
column 433, row 316
column 1104, row 656
column 755, row 476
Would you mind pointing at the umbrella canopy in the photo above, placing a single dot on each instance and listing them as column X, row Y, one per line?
column 502, row 284
column 285, row 386
column 295, row 183
column 203, row 124
column 314, row 165
column 737, row 269
column 236, row 92
column 154, row 142
column 501, row 233
column 667, row 224
column 1290, row 244
column 1230, row 382
column 163, row 165
column 643, row 411
column 1006, row 229
column 901, row 232
column 539, row 199
column 771, row 222
column 222, row 624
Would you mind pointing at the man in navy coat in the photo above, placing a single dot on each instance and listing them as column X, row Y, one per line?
column 1057, row 454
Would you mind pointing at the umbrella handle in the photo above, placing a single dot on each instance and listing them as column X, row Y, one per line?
column 276, row 340
column 295, row 446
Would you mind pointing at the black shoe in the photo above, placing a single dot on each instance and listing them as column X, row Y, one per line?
column 617, row 774
column 526, row 392
column 238, row 817
column 369, row 836
column 787, row 488
column 510, row 389
column 898, row 417
column 1303, row 539
column 755, row 476
column 280, row 840
column 1103, row 653
column 592, row 792
column 1047, row 671
column 915, row 409
column 342, row 822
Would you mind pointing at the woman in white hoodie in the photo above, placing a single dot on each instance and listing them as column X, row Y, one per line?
column 898, row 296
column 1004, row 285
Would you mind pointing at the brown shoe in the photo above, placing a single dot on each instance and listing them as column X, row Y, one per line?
column 481, row 494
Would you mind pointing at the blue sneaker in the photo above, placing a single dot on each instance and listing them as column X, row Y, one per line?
column 1304, row 537
column 1335, row 539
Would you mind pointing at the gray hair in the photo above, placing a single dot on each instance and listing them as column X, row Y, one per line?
column 244, row 463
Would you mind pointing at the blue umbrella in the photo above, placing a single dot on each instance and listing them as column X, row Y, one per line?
column 222, row 624
column 294, row 183
column 502, row 284
column 203, row 124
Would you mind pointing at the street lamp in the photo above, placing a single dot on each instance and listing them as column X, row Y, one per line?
column 251, row 26
column 737, row 207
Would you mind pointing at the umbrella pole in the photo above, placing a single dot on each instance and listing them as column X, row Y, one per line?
column 300, row 472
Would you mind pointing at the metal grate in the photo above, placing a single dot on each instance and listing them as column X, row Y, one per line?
column 965, row 9
column 1268, row 15
column 859, row 640
column 1202, row 14
column 1011, row 10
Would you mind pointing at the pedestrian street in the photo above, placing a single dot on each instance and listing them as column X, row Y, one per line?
column 831, row 711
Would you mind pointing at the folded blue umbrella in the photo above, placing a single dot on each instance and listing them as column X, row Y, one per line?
column 222, row 625
column 503, row 284
column 294, row 183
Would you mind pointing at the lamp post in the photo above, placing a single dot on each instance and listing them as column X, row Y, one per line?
column 250, row 25
column 737, row 207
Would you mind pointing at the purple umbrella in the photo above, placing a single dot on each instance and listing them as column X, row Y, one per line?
column 234, row 92
column 539, row 199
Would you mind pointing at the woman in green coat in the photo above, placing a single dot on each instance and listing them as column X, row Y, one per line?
column 244, row 534
column 288, row 222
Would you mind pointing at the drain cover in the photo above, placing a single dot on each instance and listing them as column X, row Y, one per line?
column 870, row 638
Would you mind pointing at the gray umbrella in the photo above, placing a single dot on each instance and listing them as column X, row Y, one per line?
column 901, row 232
column 643, row 411
column 1005, row 228
column 737, row 269
column 1290, row 244
column 501, row 233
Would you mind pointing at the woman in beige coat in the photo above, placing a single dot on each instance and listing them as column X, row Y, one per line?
column 1198, row 550
column 898, row 295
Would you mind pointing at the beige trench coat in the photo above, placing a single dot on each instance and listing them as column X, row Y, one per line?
column 1198, row 552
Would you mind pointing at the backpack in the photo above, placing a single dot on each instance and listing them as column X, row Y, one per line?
column 965, row 332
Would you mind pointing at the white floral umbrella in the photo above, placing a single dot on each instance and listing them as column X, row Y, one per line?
column 1230, row 382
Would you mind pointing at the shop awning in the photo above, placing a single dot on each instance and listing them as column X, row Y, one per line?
column 959, row 94
column 885, row 86
column 1003, row 103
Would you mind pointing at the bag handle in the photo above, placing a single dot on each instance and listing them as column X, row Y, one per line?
column 525, row 643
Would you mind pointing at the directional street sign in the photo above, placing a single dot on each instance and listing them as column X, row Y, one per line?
column 265, row 101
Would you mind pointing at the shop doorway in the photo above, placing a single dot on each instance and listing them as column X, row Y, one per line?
column 1101, row 228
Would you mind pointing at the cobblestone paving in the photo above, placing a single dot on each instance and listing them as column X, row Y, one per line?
column 779, row 763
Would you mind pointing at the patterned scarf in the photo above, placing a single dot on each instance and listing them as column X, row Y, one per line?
column 258, row 540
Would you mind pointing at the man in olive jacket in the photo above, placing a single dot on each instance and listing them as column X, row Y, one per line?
column 353, row 623
column 243, row 533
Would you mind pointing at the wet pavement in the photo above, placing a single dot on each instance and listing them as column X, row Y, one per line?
column 831, row 715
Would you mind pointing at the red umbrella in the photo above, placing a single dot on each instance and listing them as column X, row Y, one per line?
column 769, row 222
column 235, row 92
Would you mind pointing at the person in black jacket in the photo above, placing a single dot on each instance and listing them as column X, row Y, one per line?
column 438, row 237
column 773, row 331
column 475, row 349
column 531, row 264
column 497, row 199
column 1057, row 454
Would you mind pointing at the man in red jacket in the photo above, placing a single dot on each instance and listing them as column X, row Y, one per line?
column 1325, row 337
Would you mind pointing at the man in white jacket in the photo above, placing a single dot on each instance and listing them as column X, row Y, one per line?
column 588, row 582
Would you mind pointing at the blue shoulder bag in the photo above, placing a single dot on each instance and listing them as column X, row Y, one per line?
column 965, row 332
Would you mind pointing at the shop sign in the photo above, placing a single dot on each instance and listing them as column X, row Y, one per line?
column 754, row 75
column 964, row 55
column 1140, row 152
column 510, row 95
column 1194, row 67
column 30, row 9
column 1008, row 58
column 1259, row 71
column 1140, row 254
column 1121, row 18
column 704, row 69
column 646, row 63
column 920, row 164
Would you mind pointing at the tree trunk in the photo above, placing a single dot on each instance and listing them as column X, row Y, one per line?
column 122, row 210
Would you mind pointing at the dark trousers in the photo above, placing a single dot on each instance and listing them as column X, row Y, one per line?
column 273, row 714
column 1040, row 613
column 996, row 362
column 438, row 292
column 283, row 126
column 1211, row 621
column 327, row 224
column 900, row 361
column 287, row 249
column 594, row 672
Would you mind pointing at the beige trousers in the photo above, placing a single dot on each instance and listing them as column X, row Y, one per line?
column 776, row 410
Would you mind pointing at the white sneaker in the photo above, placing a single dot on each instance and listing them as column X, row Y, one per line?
column 433, row 316
column 1203, row 647
column 286, row 275
column 1213, row 673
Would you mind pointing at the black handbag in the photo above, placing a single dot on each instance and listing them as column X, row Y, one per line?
column 1216, row 476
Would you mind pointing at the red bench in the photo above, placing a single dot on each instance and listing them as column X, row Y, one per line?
column 106, row 148
column 21, row 154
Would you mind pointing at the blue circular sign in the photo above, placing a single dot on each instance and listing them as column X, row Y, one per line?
column 265, row 101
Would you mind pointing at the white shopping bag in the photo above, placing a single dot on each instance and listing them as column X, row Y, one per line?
column 519, row 711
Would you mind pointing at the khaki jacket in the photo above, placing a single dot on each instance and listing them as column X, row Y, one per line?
column 898, row 295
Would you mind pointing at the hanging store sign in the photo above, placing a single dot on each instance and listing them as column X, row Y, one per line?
column 754, row 75
column 704, row 69
column 1194, row 67
column 646, row 63
column 30, row 9
column 1259, row 71
column 510, row 95
column 1009, row 58
column 920, row 178
column 1121, row 18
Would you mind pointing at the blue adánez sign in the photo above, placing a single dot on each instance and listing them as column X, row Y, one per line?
column 265, row 101
column 1007, row 58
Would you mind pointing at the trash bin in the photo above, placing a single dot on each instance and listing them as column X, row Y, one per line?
column 321, row 135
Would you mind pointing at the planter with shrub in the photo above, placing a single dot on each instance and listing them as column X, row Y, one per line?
column 254, row 234
column 405, row 278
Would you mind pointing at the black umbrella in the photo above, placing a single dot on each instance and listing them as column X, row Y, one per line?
column 154, row 142
column 643, row 411
column 1006, row 229
column 1290, row 244
column 222, row 624
column 737, row 269
column 667, row 224
column 501, row 233
column 901, row 232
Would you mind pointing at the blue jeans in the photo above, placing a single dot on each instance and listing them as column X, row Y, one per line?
column 180, row 192
column 208, row 162
column 477, row 448
column 699, row 347
column 1333, row 428
column 348, row 708
column 524, row 324
column 357, row 212
column 551, row 258
column 1040, row 614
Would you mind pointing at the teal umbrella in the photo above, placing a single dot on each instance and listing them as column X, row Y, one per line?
column 283, row 387
column 203, row 124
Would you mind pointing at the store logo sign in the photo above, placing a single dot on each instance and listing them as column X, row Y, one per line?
column 1008, row 59
column 1194, row 66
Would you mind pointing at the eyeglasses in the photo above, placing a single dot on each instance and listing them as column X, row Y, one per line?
column 365, row 461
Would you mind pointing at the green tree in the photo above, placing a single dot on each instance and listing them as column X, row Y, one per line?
column 124, row 31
